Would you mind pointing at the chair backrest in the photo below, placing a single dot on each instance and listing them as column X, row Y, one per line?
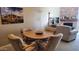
column 16, row 42
column 54, row 41
column 24, row 30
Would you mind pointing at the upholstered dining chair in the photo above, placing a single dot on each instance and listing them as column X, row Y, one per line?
column 54, row 41
column 25, row 30
column 20, row 45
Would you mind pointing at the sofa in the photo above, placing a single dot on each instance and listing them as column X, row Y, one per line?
column 69, row 34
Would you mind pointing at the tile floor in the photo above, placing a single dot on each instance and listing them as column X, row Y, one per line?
column 70, row 46
column 63, row 46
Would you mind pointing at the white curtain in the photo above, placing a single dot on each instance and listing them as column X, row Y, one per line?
column 78, row 20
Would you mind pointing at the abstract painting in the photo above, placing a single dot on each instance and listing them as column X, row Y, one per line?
column 10, row 15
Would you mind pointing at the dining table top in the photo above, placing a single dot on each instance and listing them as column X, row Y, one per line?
column 32, row 34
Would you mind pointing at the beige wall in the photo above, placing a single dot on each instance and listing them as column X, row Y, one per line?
column 33, row 17
column 36, row 16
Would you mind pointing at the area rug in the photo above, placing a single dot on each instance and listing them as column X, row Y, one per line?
column 7, row 47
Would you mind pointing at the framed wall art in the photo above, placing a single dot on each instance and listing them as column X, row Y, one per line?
column 11, row 15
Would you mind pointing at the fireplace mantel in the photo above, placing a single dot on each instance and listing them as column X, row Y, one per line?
column 68, row 20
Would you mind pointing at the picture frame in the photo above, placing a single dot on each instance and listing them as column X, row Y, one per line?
column 11, row 15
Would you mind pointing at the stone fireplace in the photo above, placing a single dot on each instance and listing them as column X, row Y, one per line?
column 69, row 23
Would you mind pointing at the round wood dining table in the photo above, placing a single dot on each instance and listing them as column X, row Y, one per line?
column 32, row 34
